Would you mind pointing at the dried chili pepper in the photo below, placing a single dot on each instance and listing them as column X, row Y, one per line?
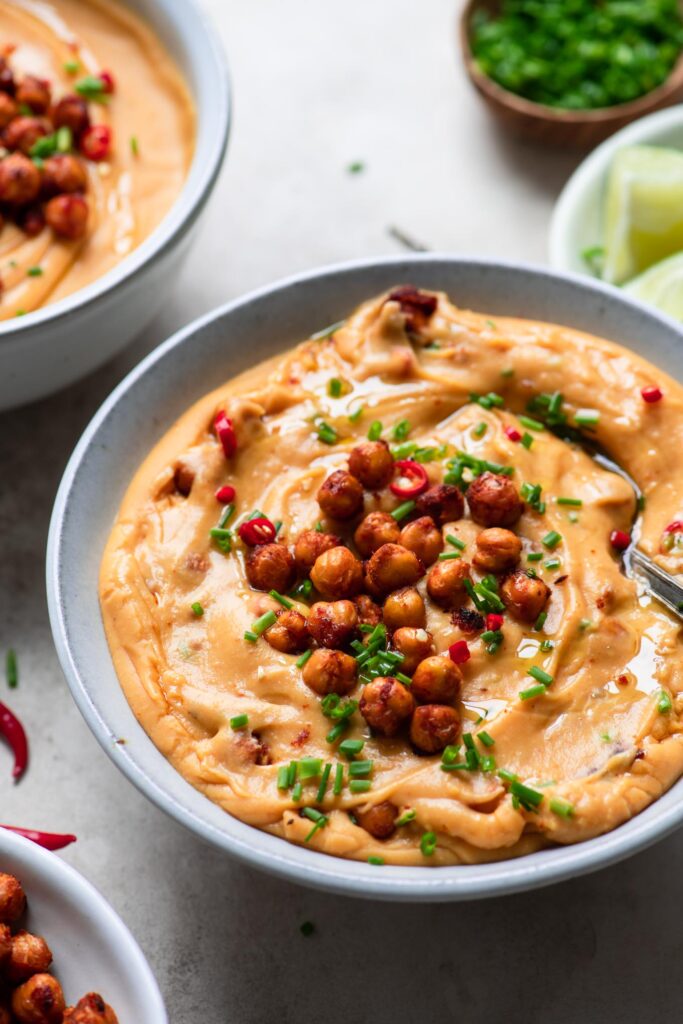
column 48, row 840
column 225, row 432
column 13, row 731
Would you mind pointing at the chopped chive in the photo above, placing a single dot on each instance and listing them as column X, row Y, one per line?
column 403, row 510
column 540, row 622
column 480, row 429
column 531, row 424
column 91, row 87
column 552, row 563
column 526, row 441
column 302, row 590
column 301, row 661
column 534, row 556
column 551, row 540
column 134, row 145
column 291, row 774
column 664, row 704
column 251, row 637
column 375, row 431
column 428, row 844
column 64, row 139
column 546, row 645
column 11, row 669
column 360, row 785
column 322, row 788
column 338, row 779
column 223, row 538
column 356, row 414
column 402, row 451
column 561, row 807
column 351, row 747
column 533, row 691
column 507, row 372
column 283, row 777
column 72, row 67
column 34, row 271
column 226, row 516
column 406, row 680
column 446, row 556
column 327, row 332
column 239, row 721
column 529, row 798
column 284, row 601
column 450, row 754
column 456, row 542
column 488, row 763
column 587, row 418
column 197, row 609
column 360, row 768
column 585, row 625
column 401, row 430
column 574, row 502
column 507, row 776
column 326, row 433
column 540, row 675
column 263, row 623
column 336, row 731
column 334, row 387
column 309, row 768
column 376, row 861
column 487, row 740
column 405, row 818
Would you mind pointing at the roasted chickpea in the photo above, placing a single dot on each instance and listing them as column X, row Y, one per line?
column 524, row 596
column 341, row 496
column 64, row 173
column 5, row 1016
column 19, row 180
column 337, row 574
column 34, row 92
column 404, row 607
column 290, row 633
column 376, row 529
column 497, row 550
column 23, row 132
column 333, row 624
column 372, row 463
column 330, row 672
column 270, row 567
column 309, row 545
column 436, row 680
column 386, row 704
column 12, row 898
column 433, row 727
column 369, row 613
column 8, row 109
column 392, row 567
column 446, row 582
column 415, row 645
column 91, row 1009
column 5, row 942
column 7, row 83
column 39, row 1000
column 443, row 502
column 31, row 220
column 30, row 955
column 494, row 501
column 67, row 215
column 379, row 820
column 423, row 537
column 71, row 112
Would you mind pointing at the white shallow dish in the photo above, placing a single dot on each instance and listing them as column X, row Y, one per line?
column 92, row 948
column 576, row 223
column 54, row 346
column 145, row 405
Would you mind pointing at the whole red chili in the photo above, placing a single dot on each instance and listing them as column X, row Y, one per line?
column 225, row 432
column 412, row 479
column 257, row 531
column 13, row 731
column 494, row 621
column 225, row 494
column 675, row 527
column 513, row 434
column 619, row 540
column 95, row 142
column 651, row 394
column 459, row 652
column 107, row 80
column 48, row 840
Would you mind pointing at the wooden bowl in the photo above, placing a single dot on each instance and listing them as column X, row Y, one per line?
column 578, row 129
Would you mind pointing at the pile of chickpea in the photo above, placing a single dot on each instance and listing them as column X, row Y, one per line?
column 28, row 994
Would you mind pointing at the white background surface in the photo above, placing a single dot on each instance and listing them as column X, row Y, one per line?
column 319, row 85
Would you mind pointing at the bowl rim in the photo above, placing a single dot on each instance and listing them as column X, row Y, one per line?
column 76, row 889
column 209, row 152
column 266, row 852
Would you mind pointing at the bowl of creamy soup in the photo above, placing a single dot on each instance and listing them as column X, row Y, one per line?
column 339, row 564
column 113, row 124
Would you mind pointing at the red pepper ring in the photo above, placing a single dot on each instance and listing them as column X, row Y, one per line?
column 48, row 840
column 13, row 731
column 257, row 531
column 675, row 527
column 412, row 479
column 225, row 432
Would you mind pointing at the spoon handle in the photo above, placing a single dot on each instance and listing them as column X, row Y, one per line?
column 660, row 583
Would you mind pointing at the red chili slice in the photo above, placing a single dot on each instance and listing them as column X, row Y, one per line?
column 513, row 434
column 494, row 621
column 225, row 494
column 13, row 731
column 107, row 80
column 412, row 479
column 48, row 840
column 619, row 540
column 675, row 527
column 651, row 394
column 257, row 531
column 225, row 432
column 95, row 142
column 459, row 652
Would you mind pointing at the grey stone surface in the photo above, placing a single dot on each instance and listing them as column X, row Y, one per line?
column 319, row 85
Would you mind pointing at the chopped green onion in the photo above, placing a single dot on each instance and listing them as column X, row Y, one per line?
column 223, row 538
column 336, row 731
column 309, row 768
column 526, row 441
column 574, row 502
column 356, row 414
column 487, row 740
column 322, row 788
column 531, row 424
column 546, row 645
column 11, row 670
column 134, row 145
column 334, row 387
column 72, row 67
column 349, row 748
column 529, row 798
column 402, row 451
column 540, row 675
column 401, row 430
column 456, row 542
column 585, row 624
column 360, row 785
column 326, row 433
column 301, row 661
column 552, row 563
column 283, row 777
column 197, row 609
column 376, row 861
column 251, row 637
column 533, row 691
column 338, row 779
column 405, row 818
column 587, row 418
column 551, row 540
column 375, row 431
column 507, row 372
column 360, row 768
column 284, row 601
column 297, row 792
column 664, row 704
column 480, row 429
column 540, row 622
column 239, row 721
column 263, row 623
column 91, row 86
column 64, row 139
column 561, row 807
column 450, row 754
column 403, row 510
column 34, row 271
column 327, row 332
column 488, row 763
column 428, row 844
column 226, row 516
column 534, row 556
column 446, row 556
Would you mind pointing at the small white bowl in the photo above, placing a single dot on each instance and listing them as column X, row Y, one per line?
column 576, row 222
column 55, row 345
column 92, row 948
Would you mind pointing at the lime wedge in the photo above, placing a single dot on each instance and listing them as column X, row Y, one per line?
column 643, row 210
column 661, row 285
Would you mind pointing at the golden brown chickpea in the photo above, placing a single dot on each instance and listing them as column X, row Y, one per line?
column 290, row 633
column 330, row 672
column 309, row 545
column 12, row 898
column 337, row 574
column 270, row 567
column 19, row 180
column 39, row 1000
column 497, row 550
column 341, row 496
column 67, row 215
column 415, row 645
column 64, row 173
column 376, row 529
column 444, row 503
column 494, row 501
column 333, row 624
column 386, row 704
column 71, row 112
column 8, row 109
column 446, row 582
column 369, row 613
column 392, row 567
column 379, row 820
column 404, row 607
column 423, row 537
column 7, row 83
column 23, row 132
column 433, row 727
column 91, row 1009
column 524, row 596
column 5, row 942
column 30, row 955
column 31, row 220
column 372, row 463
column 436, row 680
column 5, row 1015
column 34, row 93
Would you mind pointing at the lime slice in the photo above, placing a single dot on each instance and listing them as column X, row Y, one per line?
column 661, row 285
column 643, row 211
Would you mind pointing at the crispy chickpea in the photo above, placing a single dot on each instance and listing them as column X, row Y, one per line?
column 12, row 898
column 290, row 633
column 64, row 173
column 5, row 942
column 332, row 624
column 31, row 220
column 71, row 112
column 372, row 463
column 5, row 1016
column 330, row 672
column 524, row 596
column 423, row 537
column 386, row 704
column 270, row 567
column 369, row 613
column 379, row 820
column 67, row 215
column 392, row 567
column 497, row 550
column 433, row 727
column 436, row 680
column 23, row 132
column 30, row 955
column 376, row 529
column 337, row 574
column 404, row 607
column 8, row 109
column 341, row 496
column 443, row 502
column 34, row 92
column 39, row 1000
column 91, row 1009
column 415, row 645
column 19, row 179
column 7, row 83
column 309, row 545
column 494, row 501
column 446, row 582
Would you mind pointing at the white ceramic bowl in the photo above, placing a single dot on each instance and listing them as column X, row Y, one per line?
column 576, row 222
column 140, row 411
column 48, row 349
column 92, row 948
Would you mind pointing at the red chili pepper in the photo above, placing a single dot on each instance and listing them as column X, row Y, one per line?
column 107, row 80
column 675, row 527
column 257, row 531
column 513, row 434
column 619, row 540
column 459, row 652
column 48, row 840
column 225, row 494
column 412, row 479
column 13, row 731
column 494, row 621
column 96, row 142
column 225, row 432
column 651, row 394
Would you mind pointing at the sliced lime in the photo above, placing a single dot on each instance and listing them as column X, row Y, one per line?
column 661, row 285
